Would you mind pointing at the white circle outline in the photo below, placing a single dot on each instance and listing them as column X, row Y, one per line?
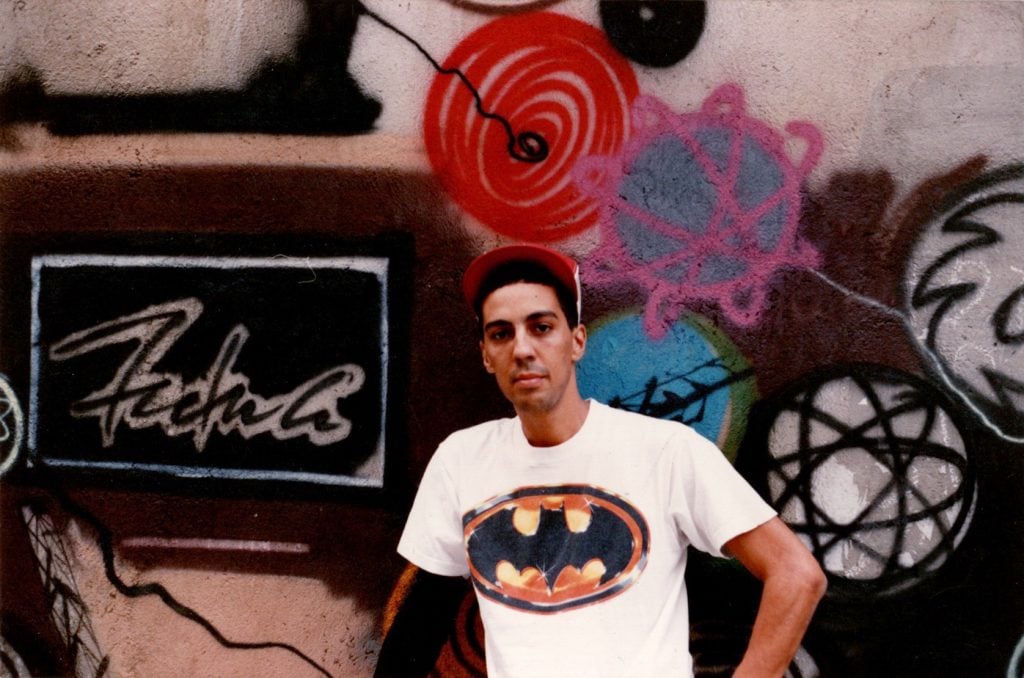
column 17, row 432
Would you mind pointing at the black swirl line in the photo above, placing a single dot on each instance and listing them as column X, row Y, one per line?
column 674, row 406
column 526, row 146
column 105, row 539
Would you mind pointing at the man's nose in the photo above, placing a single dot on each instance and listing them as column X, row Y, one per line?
column 523, row 346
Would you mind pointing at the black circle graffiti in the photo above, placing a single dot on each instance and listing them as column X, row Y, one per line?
column 884, row 437
column 656, row 33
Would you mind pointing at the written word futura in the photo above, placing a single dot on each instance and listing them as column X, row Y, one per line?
column 140, row 398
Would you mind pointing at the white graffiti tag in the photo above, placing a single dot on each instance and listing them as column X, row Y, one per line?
column 140, row 398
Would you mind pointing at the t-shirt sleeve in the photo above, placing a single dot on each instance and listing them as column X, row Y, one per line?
column 432, row 538
column 711, row 502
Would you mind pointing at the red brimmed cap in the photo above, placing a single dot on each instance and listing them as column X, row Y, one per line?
column 564, row 268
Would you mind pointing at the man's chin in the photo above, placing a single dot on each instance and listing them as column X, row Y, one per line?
column 532, row 402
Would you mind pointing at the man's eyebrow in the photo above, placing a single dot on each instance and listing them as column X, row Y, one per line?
column 497, row 323
column 536, row 315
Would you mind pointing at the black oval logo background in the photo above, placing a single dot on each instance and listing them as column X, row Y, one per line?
column 616, row 535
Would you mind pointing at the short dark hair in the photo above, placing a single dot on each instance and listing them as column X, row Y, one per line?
column 527, row 272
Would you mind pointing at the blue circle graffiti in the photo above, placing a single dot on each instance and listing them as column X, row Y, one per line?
column 693, row 374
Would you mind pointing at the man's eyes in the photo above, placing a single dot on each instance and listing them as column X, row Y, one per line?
column 504, row 334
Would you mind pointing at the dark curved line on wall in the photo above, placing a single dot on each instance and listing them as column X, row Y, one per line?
column 1001, row 319
column 105, row 539
column 807, row 470
column 959, row 222
column 500, row 9
column 526, row 146
column 979, row 184
column 898, row 469
column 700, row 393
column 1001, row 384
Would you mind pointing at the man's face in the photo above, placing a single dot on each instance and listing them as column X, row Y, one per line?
column 529, row 347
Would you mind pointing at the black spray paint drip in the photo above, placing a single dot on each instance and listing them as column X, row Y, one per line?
column 675, row 406
column 526, row 146
column 105, row 539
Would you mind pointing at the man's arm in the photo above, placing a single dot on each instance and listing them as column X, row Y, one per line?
column 793, row 585
column 421, row 627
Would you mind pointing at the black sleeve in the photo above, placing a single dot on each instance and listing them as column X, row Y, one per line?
column 421, row 627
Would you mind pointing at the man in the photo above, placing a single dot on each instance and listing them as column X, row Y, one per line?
column 572, row 519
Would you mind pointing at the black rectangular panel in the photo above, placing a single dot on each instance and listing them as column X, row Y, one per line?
column 262, row 368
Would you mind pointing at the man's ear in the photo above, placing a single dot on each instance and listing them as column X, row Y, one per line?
column 487, row 361
column 579, row 342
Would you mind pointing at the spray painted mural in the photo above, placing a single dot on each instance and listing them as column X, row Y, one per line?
column 868, row 465
column 805, row 247
column 966, row 292
column 145, row 411
column 566, row 95
column 300, row 84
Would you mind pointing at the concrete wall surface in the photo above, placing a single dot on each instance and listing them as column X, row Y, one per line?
column 231, row 331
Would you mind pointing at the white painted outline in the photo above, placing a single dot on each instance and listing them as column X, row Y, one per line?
column 378, row 266
column 1014, row 669
column 17, row 430
column 936, row 362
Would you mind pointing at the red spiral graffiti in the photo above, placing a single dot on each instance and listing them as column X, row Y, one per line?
column 545, row 74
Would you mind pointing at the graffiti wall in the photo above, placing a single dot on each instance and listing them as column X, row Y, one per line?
column 231, row 332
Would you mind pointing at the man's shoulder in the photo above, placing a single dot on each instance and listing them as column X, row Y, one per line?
column 650, row 433
column 634, row 420
column 478, row 432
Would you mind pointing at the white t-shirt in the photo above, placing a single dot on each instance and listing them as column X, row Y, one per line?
column 578, row 551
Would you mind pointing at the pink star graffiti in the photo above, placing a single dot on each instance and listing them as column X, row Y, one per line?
column 700, row 206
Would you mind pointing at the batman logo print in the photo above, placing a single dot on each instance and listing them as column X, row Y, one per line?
column 549, row 549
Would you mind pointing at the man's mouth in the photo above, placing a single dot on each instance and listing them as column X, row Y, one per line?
column 528, row 378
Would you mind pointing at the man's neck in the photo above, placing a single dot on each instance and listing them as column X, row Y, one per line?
column 547, row 429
